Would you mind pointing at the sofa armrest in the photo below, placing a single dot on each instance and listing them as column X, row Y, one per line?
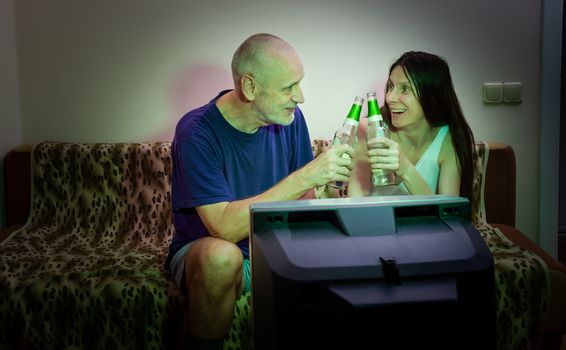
column 555, row 322
column 500, row 182
column 523, row 241
column 17, row 184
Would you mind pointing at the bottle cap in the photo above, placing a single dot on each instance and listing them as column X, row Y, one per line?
column 359, row 100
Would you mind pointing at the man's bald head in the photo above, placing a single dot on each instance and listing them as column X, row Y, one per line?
column 256, row 54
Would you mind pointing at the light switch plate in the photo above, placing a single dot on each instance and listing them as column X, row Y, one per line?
column 512, row 92
column 493, row 92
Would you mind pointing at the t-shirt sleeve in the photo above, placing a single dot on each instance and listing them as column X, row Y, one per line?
column 199, row 174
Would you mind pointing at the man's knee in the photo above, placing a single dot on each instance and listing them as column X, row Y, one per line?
column 215, row 260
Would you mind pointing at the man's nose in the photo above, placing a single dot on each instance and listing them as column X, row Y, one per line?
column 298, row 95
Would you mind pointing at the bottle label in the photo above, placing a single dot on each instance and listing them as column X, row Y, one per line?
column 375, row 118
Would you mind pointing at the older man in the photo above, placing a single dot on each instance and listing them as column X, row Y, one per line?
column 247, row 145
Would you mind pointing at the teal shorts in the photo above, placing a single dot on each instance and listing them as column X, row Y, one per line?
column 177, row 267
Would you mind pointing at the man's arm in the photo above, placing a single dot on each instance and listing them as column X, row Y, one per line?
column 230, row 220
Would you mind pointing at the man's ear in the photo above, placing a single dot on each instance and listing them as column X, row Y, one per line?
column 249, row 87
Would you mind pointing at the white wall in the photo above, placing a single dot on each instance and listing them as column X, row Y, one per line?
column 127, row 70
column 10, row 125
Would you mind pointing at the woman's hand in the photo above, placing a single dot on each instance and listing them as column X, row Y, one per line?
column 383, row 153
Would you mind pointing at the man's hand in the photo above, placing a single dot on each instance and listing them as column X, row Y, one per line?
column 334, row 164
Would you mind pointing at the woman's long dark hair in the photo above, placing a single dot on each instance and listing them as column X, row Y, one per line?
column 430, row 77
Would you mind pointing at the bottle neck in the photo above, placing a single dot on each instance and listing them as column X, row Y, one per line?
column 355, row 112
column 373, row 108
column 350, row 121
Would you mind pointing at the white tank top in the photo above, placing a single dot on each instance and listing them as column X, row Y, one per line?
column 427, row 166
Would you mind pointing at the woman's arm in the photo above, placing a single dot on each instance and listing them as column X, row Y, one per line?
column 449, row 178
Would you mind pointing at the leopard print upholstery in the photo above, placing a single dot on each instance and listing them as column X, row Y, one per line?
column 86, row 271
column 240, row 335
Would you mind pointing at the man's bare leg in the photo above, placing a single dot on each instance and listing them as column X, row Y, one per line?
column 214, row 280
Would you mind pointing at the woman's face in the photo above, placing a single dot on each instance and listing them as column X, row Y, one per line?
column 402, row 100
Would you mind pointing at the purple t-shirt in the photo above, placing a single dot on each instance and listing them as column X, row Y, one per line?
column 214, row 162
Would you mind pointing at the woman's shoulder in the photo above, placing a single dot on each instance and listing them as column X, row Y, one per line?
column 447, row 149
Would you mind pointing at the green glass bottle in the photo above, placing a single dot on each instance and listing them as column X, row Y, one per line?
column 378, row 128
column 347, row 133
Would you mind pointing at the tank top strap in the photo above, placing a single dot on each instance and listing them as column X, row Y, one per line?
column 434, row 149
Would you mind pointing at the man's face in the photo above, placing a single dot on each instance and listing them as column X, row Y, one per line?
column 279, row 90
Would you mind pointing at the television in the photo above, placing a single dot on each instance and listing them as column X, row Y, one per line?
column 392, row 272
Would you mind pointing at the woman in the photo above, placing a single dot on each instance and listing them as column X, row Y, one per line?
column 431, row 146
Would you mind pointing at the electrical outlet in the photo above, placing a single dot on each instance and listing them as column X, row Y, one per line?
column 512, row 92
column 493, row 92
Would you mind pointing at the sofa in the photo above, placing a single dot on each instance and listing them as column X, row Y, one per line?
column 89, row 227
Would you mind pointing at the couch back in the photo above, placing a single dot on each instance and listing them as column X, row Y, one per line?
column 108, row 194
column 122, row 179
column 92, row 251
column 499, row 194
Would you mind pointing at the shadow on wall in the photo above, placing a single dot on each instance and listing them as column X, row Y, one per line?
column 192, row 87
